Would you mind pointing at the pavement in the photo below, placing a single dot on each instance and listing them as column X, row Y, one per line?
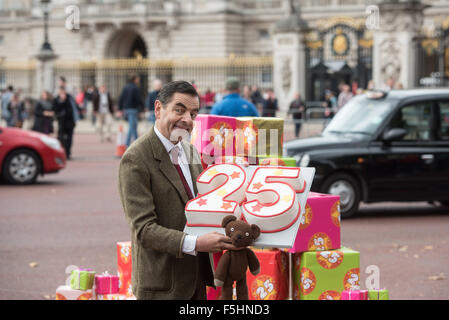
column 75, row 217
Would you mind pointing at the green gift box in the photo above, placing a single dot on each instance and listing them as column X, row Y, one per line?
column 82, row 279
column 323, row 275
column 276, row 161
column 259, row 136
column 379, row 294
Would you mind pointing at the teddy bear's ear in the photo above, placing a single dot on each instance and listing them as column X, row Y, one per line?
column 227, row 219
column 256, row 231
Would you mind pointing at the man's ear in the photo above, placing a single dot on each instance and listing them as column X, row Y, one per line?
column 157, row 109
column 256, row 231
column 227, row 219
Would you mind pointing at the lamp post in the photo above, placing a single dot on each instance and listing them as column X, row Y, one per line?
column 46, row 46
column 46, row 56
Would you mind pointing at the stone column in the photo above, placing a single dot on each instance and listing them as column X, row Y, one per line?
column 45, row 72
column 289, row 59
column 289, row 67
column 395, row 49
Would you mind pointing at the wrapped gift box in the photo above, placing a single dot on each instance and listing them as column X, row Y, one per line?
column 272, row 281
column 324, row 275
column 276, row 161
column 82, row 279
column 124, row 267
column 379, row 294
column 111, row 296
column 213, row 136
column 106, row 283
column 67, row 293
column 319, row 228
column 354, row 295
column 259, row 136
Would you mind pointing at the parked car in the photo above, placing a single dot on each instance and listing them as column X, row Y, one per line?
column 382, row 146
column 26, row 154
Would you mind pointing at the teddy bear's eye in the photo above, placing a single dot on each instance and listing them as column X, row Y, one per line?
column 232, row 229
column 247, row 234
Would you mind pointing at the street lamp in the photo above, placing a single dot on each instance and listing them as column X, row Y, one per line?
column 46, row 46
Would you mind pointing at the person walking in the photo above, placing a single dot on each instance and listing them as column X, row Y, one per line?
column 104, row 111
column 16, row 110
column 67, row 115
column 151, row 99
column 344, row 96
column 232, row 104
column 157, row 177
column 5, row 98
column 44, row 114
column 297, row 109
column 131, row 105
column 270, row 105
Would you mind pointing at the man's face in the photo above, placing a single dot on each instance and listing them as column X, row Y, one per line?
column 177, row 116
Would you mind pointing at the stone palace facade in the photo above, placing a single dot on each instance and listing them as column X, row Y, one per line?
column 299, row 45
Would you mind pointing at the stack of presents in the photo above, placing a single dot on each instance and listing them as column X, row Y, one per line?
column 317, row 267
column 85, row 284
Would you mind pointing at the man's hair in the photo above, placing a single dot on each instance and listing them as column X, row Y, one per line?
column 180, row 86
column 232, row 84
column 62, row 78
column 133, row 77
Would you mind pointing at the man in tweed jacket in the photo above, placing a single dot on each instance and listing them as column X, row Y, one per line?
column 167, row 263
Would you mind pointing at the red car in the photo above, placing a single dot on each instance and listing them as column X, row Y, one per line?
column 26, row 154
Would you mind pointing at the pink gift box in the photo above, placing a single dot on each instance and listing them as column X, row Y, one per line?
column 213, row 136
column 319, row 227
column 106, row 283
column 354, row 295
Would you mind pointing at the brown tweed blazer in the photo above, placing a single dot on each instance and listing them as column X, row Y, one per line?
column 154, row 198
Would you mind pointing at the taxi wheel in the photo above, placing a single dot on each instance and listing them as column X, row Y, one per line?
column 21, row 167
column 347, row 187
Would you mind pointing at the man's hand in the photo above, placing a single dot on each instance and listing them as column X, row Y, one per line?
column 214, row 242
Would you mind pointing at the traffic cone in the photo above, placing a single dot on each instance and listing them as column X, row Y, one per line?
column 121, row 146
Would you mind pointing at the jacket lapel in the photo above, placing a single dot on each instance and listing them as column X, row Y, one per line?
column 166, row 166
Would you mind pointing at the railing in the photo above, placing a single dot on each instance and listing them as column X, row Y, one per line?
column 206, row 72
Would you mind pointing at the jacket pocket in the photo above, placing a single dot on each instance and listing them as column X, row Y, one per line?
column 155, row 271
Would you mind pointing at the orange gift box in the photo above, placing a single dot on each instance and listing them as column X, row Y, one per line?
column 124, row 267
column 272, row 281
column 67, row 293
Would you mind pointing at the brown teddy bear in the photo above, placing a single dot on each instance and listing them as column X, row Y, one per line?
column 234, row 263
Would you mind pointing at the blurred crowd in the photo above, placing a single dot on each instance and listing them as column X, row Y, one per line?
column 96, row 105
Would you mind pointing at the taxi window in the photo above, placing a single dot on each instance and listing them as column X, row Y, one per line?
column 416, row 119
column 443, row 133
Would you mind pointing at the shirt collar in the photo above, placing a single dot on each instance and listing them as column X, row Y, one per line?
column 168, row 145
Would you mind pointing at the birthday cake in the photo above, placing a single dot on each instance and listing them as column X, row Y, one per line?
column 272, row 200
column 221, row 190
column 269, row 200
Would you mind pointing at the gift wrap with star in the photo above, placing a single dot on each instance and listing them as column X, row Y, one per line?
column 272, row 281
column 124, row 267
column 319, row 228
column 259, row 136
column 213, row 136
column 324, row 275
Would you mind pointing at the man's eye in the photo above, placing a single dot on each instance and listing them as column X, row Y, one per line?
column 179, row 110
column 193, row 115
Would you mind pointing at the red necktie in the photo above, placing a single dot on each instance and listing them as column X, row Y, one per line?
column 175, row 157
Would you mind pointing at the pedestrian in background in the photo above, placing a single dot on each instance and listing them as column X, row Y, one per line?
column 232, row 104
column 16, row 110
column 297, row 109
column 344, row 96
column 104, row 111
column 151, row 99
column 44, row 114
column 131, row 104
column 67, row 115
column 6, row 97
column 270, row 105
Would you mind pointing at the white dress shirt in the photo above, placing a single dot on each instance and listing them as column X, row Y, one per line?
column 189, row 244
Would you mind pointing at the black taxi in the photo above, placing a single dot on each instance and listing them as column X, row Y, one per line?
column 382, row 146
